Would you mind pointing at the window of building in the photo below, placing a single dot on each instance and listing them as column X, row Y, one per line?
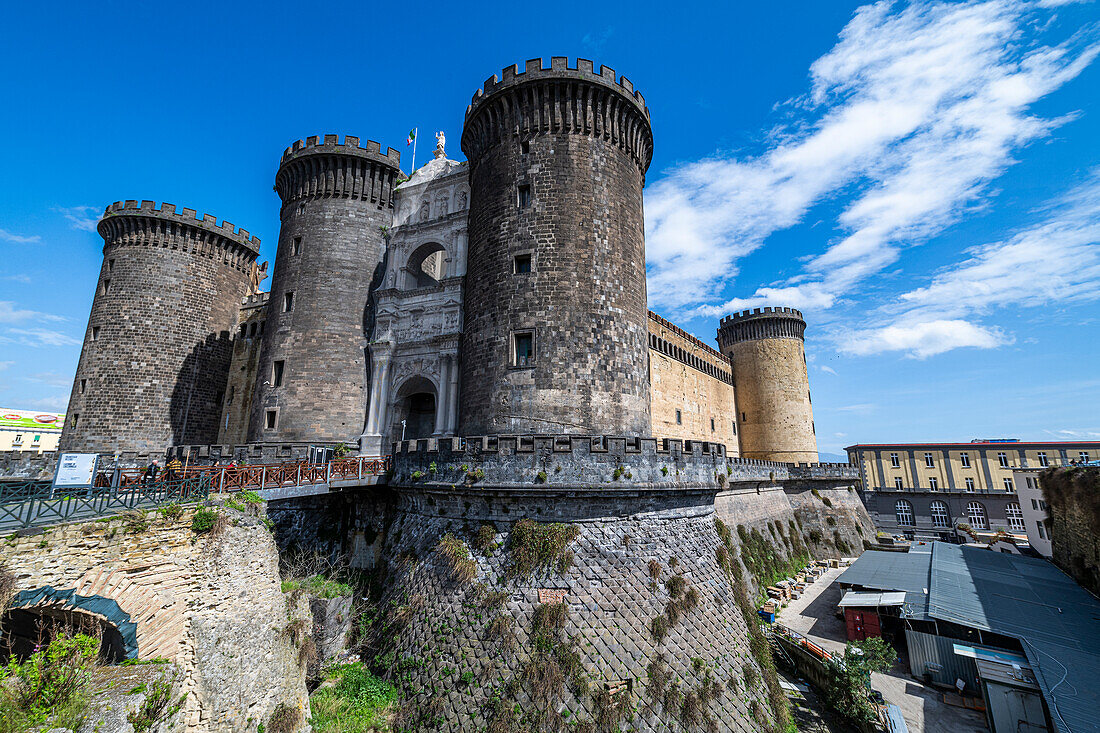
column 898, row 483
column 969, row 484
column 1008, row 485
column 297, row 248
column 262, row 327
column 106, row 286
column 679, row 418
column 243, row 330
column 1084, row 456
column 965, row 459
column 1042, row 505
column 37, row 438
column 525, row 147
column 1002, row 458
column 95, row 333
column 524, row 196
column 1031, row 483
column 940, row 516
column 277, row 368
column 712, row 425
column 110, row 265
column 1042, row 532
column 521, row 265
column 1043, row 460
column 733, row 423
column 18, row 439
column 1015, row 517
column 75, row 419
column 929, row 461
column 523, row 349
column 933, row 483
column 744, row 417
column 1035, row 504
column 288, row 302
column 270, row 419
column 975, row 514
column 895, row 462
column 252, row 329
column 903, row 512
column 83, row 385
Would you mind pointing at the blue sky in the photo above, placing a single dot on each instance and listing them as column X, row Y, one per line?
column 921, row 179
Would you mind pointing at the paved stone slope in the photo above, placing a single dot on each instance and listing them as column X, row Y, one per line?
column 446, row 641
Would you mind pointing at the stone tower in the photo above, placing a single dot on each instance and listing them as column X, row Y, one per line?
column 767, row 349
column 312, row 378
column 156, row 354
column 555, row 335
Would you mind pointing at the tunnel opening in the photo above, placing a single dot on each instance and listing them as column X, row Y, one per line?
column 23, row 631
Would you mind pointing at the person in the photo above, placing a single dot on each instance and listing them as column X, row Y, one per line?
column 171, row 471
column 150, row 474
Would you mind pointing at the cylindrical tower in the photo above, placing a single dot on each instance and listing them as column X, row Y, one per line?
column 153, row 369
column 312, row 379
column 767, row 349
column 555, row 335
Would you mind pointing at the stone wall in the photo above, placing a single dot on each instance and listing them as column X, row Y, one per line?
column 156, row 351
column 690, row 378
column 212, row 604
column 1073, row 496
column 243, row 370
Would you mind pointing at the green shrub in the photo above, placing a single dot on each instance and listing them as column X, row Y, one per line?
column 359, row 701
column 319, row 586
column 49, row 689
column 156, row 707
column 203, row 520
column 170, row 511
column 534, row 546
column 251, row 497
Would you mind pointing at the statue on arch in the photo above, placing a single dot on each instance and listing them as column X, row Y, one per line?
column 256, row 275
column 440, row 141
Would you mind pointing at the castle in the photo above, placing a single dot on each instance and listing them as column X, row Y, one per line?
column 505, row 295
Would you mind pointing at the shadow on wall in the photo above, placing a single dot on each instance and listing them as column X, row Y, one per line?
column 370, row 310
column 199, row 391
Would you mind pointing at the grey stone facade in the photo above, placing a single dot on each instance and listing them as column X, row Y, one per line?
column 156, row 353
column 883, row 508
column 557, row 165
column 337, row 200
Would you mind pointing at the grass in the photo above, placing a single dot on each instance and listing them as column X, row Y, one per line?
column 50, row 689
column 358, row 701
column 156, row 707
column 318, row 586
column 203, row 520
column 457, row 558
column 535, row 546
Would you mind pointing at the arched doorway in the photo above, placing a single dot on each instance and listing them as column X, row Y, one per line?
column 426, row 266
column 416, row 405
column 36, row 617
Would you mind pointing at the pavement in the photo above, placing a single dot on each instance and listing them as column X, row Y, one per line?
column 922, row 707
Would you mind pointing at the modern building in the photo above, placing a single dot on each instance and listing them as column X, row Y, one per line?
column 952, row 491
column 1034, row 506
column 1010, row 627
column 26, row 430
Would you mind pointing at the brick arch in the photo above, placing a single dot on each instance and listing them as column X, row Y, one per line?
column 160, row 621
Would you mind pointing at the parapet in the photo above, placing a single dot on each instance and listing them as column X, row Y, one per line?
column 330, row 145
column 559, row 68
column 187, row 217
column 761, row 323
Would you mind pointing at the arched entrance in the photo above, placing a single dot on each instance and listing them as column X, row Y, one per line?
column 35, row 617
column 425, row 267
column 416, row 405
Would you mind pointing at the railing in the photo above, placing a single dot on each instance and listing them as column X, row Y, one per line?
column 35, row 503
column 799, row 640
column 257, row 477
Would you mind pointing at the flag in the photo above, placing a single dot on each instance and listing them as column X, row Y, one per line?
column 411, row 137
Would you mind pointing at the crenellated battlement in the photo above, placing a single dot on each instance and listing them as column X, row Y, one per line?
column 330, row 144
column 559, row 68
column 185, row 216
column 762, row 313
column 761, row 323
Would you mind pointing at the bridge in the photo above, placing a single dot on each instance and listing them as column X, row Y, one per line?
column 30, row 503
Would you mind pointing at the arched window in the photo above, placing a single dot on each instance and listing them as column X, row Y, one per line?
column 1015, row 517
column 940, row 516
column 903, row 510
column 975, row 513
column 425, row 267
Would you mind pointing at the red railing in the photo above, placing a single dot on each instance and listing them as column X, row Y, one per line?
column 797, row 638
column 255, row 477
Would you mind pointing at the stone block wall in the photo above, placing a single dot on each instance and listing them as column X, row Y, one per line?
column 1072, row 495
column 211, row 604
column 243, row 370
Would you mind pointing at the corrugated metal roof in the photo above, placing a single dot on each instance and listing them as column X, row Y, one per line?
column 909, row 572
column 855, row 598
column 1056, row 621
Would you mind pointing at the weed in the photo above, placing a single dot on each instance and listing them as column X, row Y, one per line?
column 417, row 475
column 540, row 477
column 171, row 511
column 457, row 558
column 617, row 473
column 750, row 674
column 203, row 520
column 654, row 569
column 503, row 630
column 432, row 468
column 690, row 710
column 251, row 497
column 485, row 539
column 284, row 719
column 831, row 521
column 156, row 706
column 664, row 470
column 50, row 688
column 535, row 546
column 658, row 628
column 318, row 586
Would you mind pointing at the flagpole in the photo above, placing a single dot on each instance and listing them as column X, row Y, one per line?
column 416, row 134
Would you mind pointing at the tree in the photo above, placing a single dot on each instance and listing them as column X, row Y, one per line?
column 849, row 680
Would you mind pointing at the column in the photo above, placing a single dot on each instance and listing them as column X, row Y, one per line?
column 452, row 397
column 375, row 393
column 441, row 399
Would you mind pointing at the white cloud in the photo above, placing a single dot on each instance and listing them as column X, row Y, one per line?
column 5, row 365
column 9, row 313
column 862, row 407
column 18, row 238
column 19, row 278
column 52, row 378
column 924, row 339
column 56, row 403
column 37, row 337
column 84, row 218
column 918, row 108
column 829, row 370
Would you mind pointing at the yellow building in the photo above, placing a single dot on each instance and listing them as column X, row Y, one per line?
column 25, row 430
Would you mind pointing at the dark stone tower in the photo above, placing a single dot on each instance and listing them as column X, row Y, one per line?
column 312, row 379
column 156, row 354
column 767, row 349
column 555, row 335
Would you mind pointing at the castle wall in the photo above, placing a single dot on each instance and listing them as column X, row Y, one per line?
column 773, row 390
column 559, row 182
column 691, row 378
column 243, row 370
column 337, row 198
column 156, row 353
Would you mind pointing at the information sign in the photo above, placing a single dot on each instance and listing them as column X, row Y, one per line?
column 75, row 470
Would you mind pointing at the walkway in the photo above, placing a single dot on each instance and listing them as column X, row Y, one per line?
column 812, row 615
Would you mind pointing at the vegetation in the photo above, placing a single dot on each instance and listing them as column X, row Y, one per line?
column 251, row 497
column 457, row 558
column 318, row 586
column 203, row 520
column 554, row 663
column 485, row 539
column 157, row 706
column 284, row 719
column 537, row 547
column 170, row 511
column 134, row 521
column 358, row 701
column 849, row 681
column 49, row 689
